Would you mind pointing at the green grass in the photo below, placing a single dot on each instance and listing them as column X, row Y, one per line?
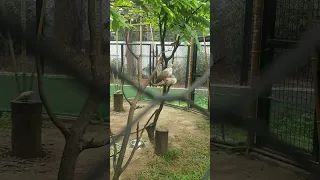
column 201, row 96
column 290, row 123
column 293, row 124
column 182, row 164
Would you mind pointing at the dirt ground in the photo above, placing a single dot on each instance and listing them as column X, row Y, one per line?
column 178, row 122
column 226, row 166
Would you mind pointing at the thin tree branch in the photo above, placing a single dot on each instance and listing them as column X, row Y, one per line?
column 115, row 152
column 59, row 124
column 130, row 50
column 94, row 144
column 138, row 138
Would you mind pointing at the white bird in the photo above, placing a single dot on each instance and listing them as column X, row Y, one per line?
column 170, row 81
column 26, row 96
column 164, row 74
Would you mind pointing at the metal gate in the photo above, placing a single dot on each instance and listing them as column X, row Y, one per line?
column 288, row 107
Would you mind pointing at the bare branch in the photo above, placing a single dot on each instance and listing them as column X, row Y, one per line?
column 138, row 138
column 115, row 151
column 59, row 124
column 130, row 50
column 94, row 144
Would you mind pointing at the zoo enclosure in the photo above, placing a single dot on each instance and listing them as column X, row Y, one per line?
column 180, row 70
column 65, row 95
column 288, row 107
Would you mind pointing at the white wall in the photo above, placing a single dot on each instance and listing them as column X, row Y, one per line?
column 180, row 55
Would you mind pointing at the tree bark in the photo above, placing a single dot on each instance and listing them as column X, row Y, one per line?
column 118, row 102
column 131, row 65
column 161, row 141
column 69, row 158
column 26, row 129
column 65, row 22
column 23, row 18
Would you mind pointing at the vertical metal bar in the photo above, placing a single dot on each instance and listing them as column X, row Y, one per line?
column 266, row 56
column 187, row 69
column 194, row 69
column 150, row 54
column 246, row 47
column 122, row 60
column 316, row 135
column 315, row 71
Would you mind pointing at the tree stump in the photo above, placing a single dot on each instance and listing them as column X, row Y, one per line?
column 161, row 141
column 118, row 102
column 26, row 119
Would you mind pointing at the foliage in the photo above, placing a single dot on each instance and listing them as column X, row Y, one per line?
column 186, row 18
column 121, row 10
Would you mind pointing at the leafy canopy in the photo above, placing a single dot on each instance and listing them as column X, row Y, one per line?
column 186, row 18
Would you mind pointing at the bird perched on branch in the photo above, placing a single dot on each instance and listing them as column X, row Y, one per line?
column 164, row 74
column 165, row 78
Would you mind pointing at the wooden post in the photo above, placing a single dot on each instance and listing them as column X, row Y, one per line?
column 161, row 141
column 190, row 67
column 255, row 63
column 26, row 129
column 118, row 102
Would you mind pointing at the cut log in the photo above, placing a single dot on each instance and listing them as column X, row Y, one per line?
column 161, row 141
column 26, row 119
column 118, row 102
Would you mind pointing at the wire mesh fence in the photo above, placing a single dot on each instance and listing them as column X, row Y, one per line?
column 286, row 108
column 226, row 112
column 228, row 38
column 292, row 109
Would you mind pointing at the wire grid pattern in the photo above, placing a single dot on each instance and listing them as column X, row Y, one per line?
column 130, row 64
column 57, row 58
column 292, row 110
column 279, row 70
column 148, row 62
column 228, row 39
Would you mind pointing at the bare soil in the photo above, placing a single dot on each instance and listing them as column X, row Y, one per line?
column 226, row 166
column 178, row 122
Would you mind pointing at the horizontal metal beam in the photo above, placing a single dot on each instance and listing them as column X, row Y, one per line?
column 280, row 43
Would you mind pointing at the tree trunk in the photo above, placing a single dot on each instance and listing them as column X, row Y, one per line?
column 69, row 159
column 23, row 18
column 65, row 22
column 131, row 65
column 152, row 127
column 26, row 129
column 161, row 141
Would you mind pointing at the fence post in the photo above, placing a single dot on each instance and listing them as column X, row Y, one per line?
column 150, row 60
column 314, row 57
column 194, row 69
column 255, row 63
column 245, row 45
column 266, row 56
column 187, row 69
